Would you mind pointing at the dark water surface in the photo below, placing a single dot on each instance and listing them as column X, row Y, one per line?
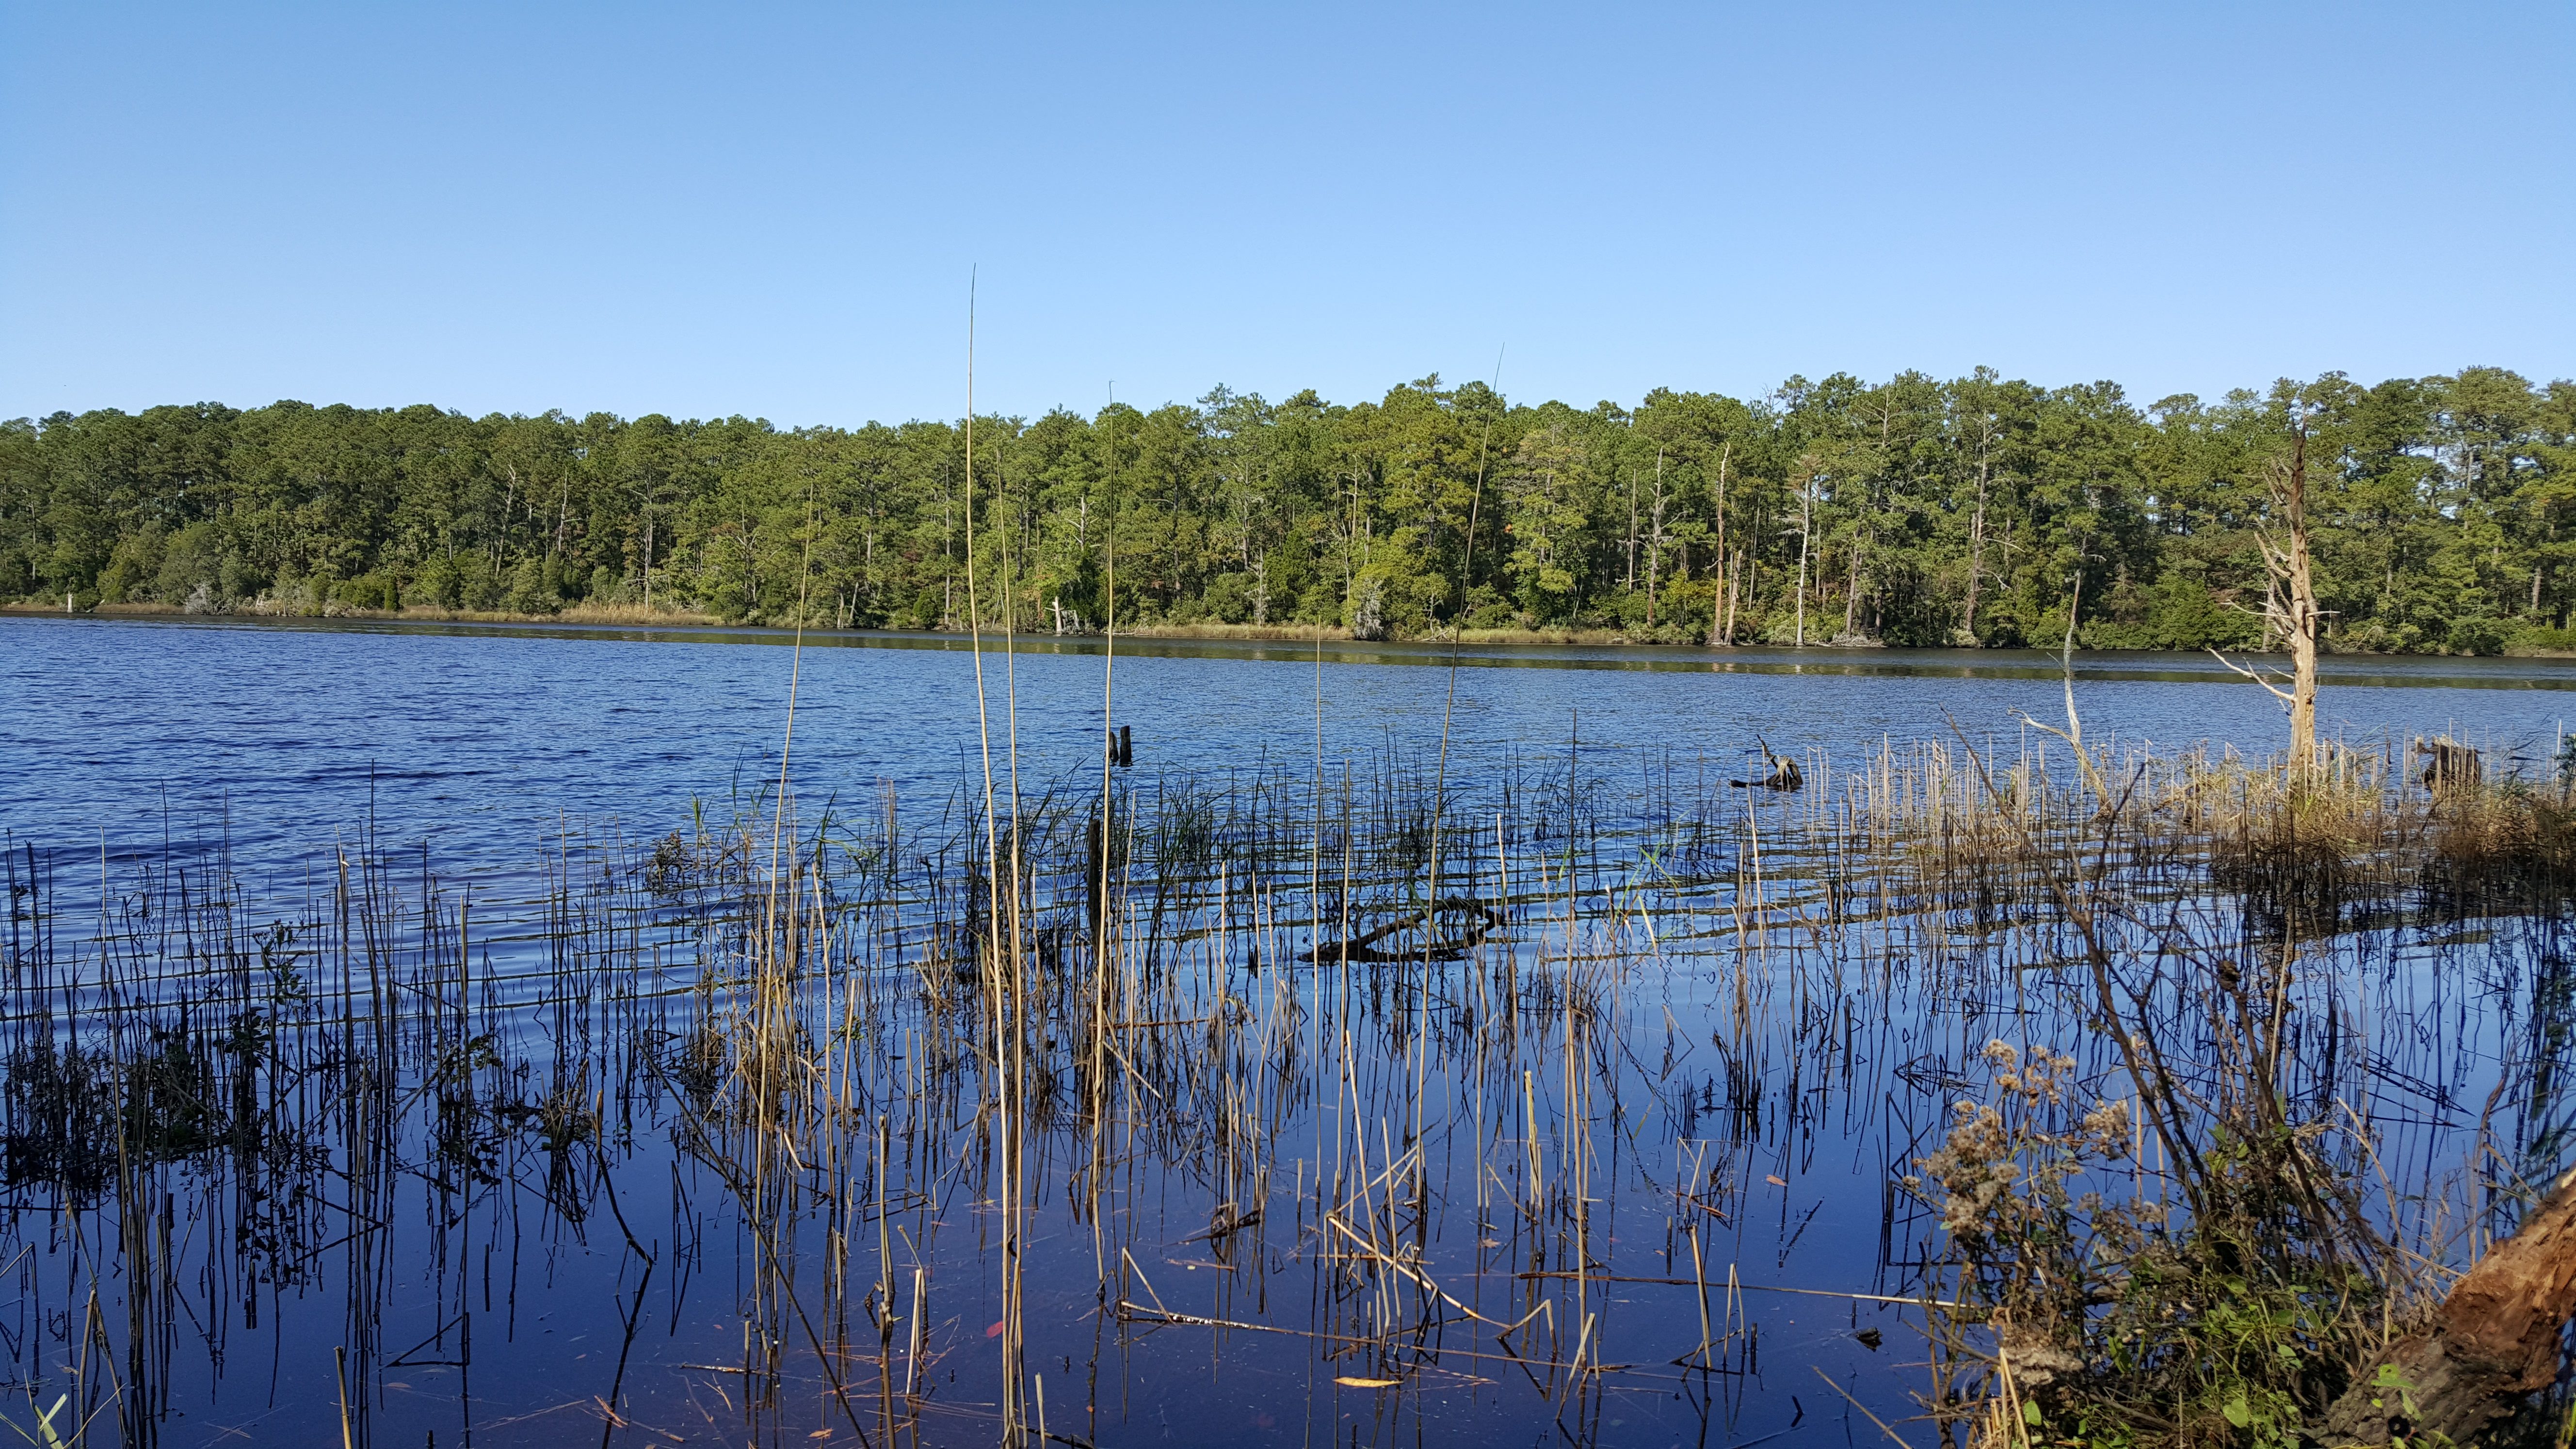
column 1755, row 1060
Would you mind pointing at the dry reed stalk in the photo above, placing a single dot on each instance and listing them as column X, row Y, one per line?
column 1208, row 1080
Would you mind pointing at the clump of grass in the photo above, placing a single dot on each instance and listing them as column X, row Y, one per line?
column 2295, row 857
column 2504, row 841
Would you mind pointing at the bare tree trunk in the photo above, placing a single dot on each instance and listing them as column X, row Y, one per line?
column 2303, row 616
column 1749, row 564
column 1977, row 543
column 2290, row 604
column 1851, row 592
column 1806, row 519
column 1725, row 568
column 1631, row 585
column 1655, row 543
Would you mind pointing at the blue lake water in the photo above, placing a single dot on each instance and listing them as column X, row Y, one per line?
column 1775, row 1133
column 481, row 739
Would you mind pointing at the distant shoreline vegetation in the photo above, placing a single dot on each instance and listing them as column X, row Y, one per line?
column 1916, row 512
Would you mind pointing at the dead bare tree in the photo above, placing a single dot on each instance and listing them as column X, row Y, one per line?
column 2290, row 605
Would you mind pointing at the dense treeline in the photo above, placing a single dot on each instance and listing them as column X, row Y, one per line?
column 1914, row 511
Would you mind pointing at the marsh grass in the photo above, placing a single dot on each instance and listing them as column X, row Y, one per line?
column 2145, row 1095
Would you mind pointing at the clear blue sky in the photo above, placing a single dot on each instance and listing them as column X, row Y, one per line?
column 772, row 210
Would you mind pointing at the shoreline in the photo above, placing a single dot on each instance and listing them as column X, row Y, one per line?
column 584, row 615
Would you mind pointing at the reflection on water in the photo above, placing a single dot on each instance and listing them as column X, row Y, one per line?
column 2165, row 666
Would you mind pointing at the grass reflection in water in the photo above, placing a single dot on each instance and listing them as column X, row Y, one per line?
column 1249, row 1106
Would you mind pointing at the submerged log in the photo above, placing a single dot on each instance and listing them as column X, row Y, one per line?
column 1480, row 921
column 2492, row 1343
column 1780, row 773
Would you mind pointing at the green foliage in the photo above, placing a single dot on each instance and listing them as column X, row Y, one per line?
column 2174, row 612
column 1913, row 511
